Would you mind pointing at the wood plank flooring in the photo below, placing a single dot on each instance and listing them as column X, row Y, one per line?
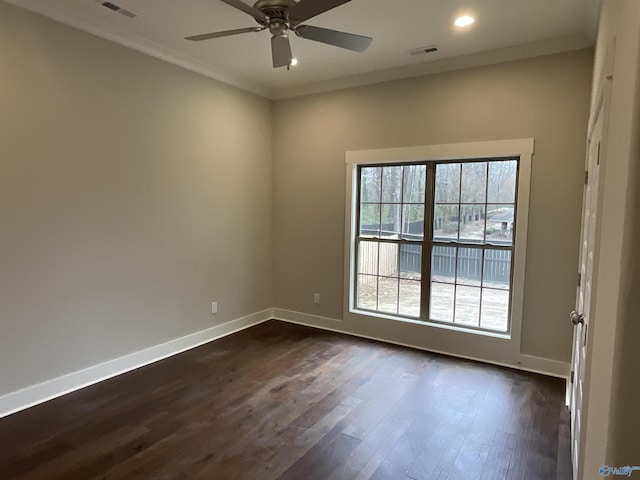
column 281, row 401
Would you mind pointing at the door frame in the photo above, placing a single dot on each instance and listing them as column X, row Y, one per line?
column 600, row 110
column 587, row 281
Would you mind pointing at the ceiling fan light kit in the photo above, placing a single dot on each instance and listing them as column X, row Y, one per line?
column 283, row 16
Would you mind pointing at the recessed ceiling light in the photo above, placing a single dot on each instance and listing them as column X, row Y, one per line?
column 294, row 62
column 464, row 21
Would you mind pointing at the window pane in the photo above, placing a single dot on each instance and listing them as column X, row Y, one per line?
column 388, row 259
column 497, row 269
column 469, row 266
column 411, row 261
column 367, row 292
column 502, row 181
column 474, row 182
column 368, row 261
column 390, row 222
column 413, row 222
column 443, row 264
column 391, row 184
column 500, row 224
column 468, row 306
column 495, row 309
column 472, row 223
column 445, row 222
column 448, row 183
column 370, row 184
column 441, row 305
column 388, row 295
column 474, row 203
column 409, row 298
column 414, row 183
column 370, row 220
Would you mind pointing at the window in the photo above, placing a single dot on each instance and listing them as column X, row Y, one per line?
column 389, row 244
column 435, row 241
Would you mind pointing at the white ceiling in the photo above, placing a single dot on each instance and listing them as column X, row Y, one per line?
column 504, row 29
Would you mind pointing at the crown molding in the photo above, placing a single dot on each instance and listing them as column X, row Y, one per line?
column 97, row 27
column 517, row 52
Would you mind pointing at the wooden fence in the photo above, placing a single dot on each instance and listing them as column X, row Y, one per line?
column 381, row 258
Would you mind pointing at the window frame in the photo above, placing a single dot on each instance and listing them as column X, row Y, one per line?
column 521, row 149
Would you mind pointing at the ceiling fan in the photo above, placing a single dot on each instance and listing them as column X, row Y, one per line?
column 283, row 16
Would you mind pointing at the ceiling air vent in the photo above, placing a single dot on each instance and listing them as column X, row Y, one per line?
column 118, row 8
column 423, row 50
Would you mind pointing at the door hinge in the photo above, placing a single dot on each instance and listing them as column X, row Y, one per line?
column 586, row 177
column 572, row 375
column 579, row 280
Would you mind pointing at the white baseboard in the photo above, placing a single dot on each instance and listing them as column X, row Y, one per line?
column 308, row 319
column 547, row 366
column 529, row 363
column 33, row 395
column 27, row 397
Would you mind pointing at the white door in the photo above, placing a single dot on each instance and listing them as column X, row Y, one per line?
column 580, row 317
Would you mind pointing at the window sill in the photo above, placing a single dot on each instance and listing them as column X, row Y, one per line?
column 427, row 323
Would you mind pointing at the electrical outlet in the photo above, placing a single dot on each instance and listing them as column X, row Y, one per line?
column 316, row 298
column 214, row 307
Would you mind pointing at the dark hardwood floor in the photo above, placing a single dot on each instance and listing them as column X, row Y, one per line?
column 281, row 401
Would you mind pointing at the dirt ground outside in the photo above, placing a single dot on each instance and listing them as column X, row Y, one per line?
column 485, row 308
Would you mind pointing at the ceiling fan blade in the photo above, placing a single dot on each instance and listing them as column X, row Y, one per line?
column 306, row 9
column 254, row 12
column 225, row 33
column 357, row 43
column 281, row 51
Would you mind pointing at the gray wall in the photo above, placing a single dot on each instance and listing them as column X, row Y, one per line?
column 132, row 194
column 546, row 98
column 624, row 447
column 610, row 418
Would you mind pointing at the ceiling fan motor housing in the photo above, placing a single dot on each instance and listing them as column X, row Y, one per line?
column 277, row 11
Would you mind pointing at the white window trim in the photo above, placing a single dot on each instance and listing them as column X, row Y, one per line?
column 522, row 148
